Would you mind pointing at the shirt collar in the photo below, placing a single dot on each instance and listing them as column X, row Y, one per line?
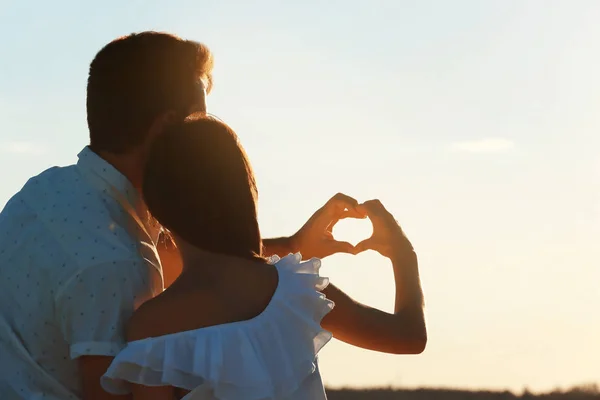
column 108, row 179
column 107, row 176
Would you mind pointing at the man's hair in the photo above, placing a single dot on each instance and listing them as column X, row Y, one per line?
column 199, row 184
column 138, row 77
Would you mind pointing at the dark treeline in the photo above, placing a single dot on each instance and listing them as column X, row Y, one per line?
column 588, row 392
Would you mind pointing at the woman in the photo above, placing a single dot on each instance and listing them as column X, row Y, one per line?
column 235, row 325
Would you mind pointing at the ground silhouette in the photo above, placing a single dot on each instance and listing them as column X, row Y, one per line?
column 585, row 392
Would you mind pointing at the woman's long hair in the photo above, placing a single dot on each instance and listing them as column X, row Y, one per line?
column 198, row 183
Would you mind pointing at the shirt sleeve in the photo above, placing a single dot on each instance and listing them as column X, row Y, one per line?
column 94, row 306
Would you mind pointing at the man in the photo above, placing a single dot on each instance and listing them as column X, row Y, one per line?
column 78, row 252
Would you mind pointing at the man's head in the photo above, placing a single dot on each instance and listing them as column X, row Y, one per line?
column 139, row 82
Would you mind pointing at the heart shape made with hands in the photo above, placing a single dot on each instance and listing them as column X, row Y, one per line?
column 352, row 230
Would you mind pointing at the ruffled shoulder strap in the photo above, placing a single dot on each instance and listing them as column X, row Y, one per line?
column 267, row 357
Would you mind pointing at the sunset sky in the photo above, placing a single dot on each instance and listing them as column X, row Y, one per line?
column 477, row 123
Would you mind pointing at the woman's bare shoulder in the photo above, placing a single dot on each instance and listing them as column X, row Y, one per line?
column 163, row 315
column 241, row 294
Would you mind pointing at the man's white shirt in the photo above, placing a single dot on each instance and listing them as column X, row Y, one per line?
column 74, row 265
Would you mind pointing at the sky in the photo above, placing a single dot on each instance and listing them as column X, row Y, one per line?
column 474, row 121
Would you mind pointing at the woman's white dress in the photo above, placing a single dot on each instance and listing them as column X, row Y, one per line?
column 271, row 356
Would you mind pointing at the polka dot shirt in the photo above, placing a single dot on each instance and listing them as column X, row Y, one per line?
column 74, row 265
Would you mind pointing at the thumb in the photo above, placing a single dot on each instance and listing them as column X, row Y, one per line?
column 366, row 244
column 342, row 247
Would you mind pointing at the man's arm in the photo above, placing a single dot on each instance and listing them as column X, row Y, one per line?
column 91, row 369
column 94, row 307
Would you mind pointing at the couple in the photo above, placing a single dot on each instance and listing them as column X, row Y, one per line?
column 165, row 197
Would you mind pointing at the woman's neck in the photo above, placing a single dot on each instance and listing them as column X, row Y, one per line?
column 199, row 260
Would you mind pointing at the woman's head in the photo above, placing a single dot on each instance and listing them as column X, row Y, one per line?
column 199, row 184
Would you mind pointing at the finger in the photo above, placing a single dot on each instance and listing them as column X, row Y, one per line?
column 334, row 210
column 342, row 215
column 332, row 224
column 354, row 213
column 339, row 206
column 372, row 206
column 342, row 247
column 345, row 199
column 376, row 211
column 335, row 218
column 363, row 246
column 341, row 202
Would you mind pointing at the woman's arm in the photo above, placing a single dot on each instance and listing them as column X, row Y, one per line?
column 402, row 332
column 281, row 246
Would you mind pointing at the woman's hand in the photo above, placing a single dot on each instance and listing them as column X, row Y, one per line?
column 387, row 239
column 315, row 238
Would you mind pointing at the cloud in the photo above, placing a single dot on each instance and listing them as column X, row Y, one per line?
column 22, row 148
column 489, row 145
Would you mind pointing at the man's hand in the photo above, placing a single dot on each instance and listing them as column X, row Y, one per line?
column 387, row 239
column 315, row 238
column 92, row 368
